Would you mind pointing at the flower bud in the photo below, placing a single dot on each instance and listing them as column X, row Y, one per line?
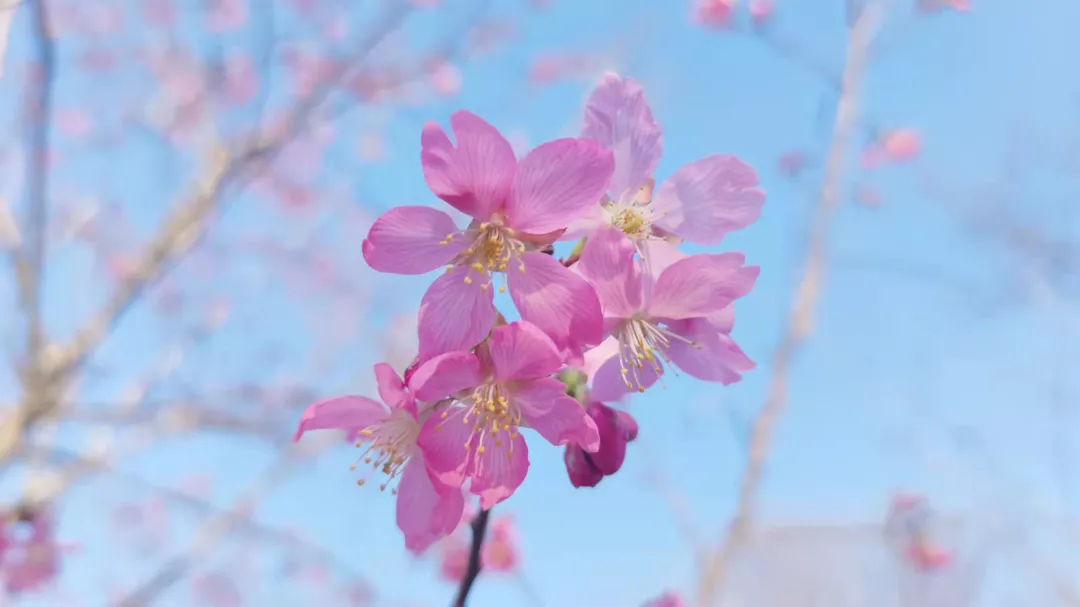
column 617, row 428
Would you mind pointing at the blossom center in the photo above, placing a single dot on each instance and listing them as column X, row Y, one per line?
column 632, row 213
column 493, row 247
column 643, row 343
column 493, row 416
column 390, row 443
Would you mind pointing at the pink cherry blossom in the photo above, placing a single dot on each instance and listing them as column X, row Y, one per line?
column 500, row 550
column 483, row 401
column 701, row 202
column 446, row 79
column 927, row 556
column 225, row 15
column 664, row 317
column 516, row 209
column 427, row 509
column 34, row 561
column 761, row 11
column 453, row 558
column 616, row 428
column 713, row 13
column 668, row 599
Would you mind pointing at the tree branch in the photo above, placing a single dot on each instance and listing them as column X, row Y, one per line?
column 472, row 571
column 800, row 318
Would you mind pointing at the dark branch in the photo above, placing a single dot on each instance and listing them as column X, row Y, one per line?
column 479, row 530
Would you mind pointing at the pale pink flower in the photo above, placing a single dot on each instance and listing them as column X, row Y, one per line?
column 446, row 79
column 427, row 509
column 160, row 13
column 225, row 15
column 665, row 315
column 34, row 561
column 500, row 551
column 761, row 11
column 927, row 556
column 240, row 80
column 713, row 13
column 485, row 399
column 516, row 209
column 668, row 599
column 616, row 429
column 902, row 144
column 701, row 202
column 453, row 558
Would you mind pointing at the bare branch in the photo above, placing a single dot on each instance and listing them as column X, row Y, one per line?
column 801, row 315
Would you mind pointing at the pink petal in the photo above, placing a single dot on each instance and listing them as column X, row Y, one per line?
column 708, row 198
column 713, row 357
column 609, row 458
column 659, row 255
column 724, row 319
column 520, row 350
column 391, row 389
column 500, row 470
column 446, row 439
column 342, row 412
column 557, row 417
column 445, row 375
column 476, row 176
column 607, row 261
column 607, row 382
column 700, row 285
column 618, row 116
column 455, row 315
column 425, row 512
column 557, row 182
column 411, row 240
column 580, row 469
column 558, row 301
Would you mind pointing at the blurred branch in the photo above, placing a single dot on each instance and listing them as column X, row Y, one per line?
column 29, row 259
column 800, row 319
column 472, row 571
column 208, row 535
column 179, row 232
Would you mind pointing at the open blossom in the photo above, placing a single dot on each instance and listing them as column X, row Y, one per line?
column 714, row 13
column 664, row 315
column 427, row 509
column 484, row 400
column 616, row 428
column 700, row 203
column 517, row 208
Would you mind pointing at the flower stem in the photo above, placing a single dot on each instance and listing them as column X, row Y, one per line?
column 472, row 571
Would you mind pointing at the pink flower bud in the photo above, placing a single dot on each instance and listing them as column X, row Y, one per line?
column 616, row 429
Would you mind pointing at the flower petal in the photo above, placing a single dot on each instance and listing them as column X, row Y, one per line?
column 701, row 285
column 704, row 200
column 554, row 415
column 411, row 240
column 341, row 412
column 520, row 350
column 618, row 116
column 392, row 390
column 445, row 440
column 455, row 313
column 607, row 261
column 558, row 301
column 476, row 176
column 445, row 375
column 557, row 182
column 500, row 469
column 579, row 467
column 712, row 356
column 425, row 513
column 609, row 458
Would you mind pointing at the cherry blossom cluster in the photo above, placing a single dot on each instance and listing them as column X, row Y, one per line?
column 609, row 320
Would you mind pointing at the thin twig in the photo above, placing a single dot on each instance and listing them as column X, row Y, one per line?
column 472, row 571
column 801, row 315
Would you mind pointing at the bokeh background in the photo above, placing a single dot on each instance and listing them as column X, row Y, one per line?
column 186, row 184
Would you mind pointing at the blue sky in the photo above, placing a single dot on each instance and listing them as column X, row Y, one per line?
column 915, row 344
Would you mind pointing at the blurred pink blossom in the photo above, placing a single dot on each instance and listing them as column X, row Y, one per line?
column 713, row 13
column 500, row 552
column 225, row 15
column 668, row 599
